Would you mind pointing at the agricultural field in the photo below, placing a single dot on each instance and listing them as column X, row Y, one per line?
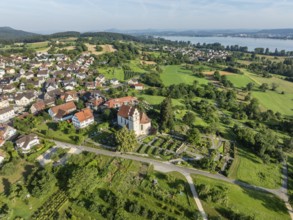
column 106, row 49
column 260, row 205
column 251, row 169
column 39, row 46
column 175, row 74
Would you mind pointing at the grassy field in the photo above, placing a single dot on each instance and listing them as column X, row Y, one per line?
column 239, row 81
column 39, row 46
column 22, row 168
column 175, row 74
column 276, row 102
column 261, row 205
column 252, row 170
column 156, row 100
column 273, row 100
column 111, row 72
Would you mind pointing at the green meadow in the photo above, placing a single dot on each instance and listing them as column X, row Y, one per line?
column 175, row 74
column 261, row 205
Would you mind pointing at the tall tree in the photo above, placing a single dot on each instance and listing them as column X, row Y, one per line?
column 166, row 113
column 126, row 140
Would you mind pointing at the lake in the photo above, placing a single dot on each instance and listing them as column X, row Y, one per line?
column 251, row 43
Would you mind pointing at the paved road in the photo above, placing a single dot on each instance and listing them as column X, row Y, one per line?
column 169, row 167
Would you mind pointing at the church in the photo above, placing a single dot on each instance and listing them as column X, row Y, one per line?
column 133, row 119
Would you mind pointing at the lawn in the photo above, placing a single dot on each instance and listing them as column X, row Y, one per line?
column 112, row 72
column 239, row 81
column 135, row 66
column 55, row 133
column 273, row 100
column 276, row 102
column 252, row 170
column 249, row 202
column 156, row 100
column 175, row 74
column 22, row 168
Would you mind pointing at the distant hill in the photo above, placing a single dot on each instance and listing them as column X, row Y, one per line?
column 8, row 33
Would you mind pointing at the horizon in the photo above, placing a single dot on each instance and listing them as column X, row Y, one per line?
column 95, row 15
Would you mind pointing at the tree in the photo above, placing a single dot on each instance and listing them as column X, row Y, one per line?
column 249, row 86
column 263, row 87
column 274, row 86
column 79, row 104
column 167, row 115
column 83, row 180
column 193, row 136
column 189, row 118
column 126, row 140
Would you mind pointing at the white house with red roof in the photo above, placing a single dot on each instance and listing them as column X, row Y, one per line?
column 133, row 119
column 83, row 118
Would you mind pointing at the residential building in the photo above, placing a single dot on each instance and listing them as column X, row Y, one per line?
column 83, row 118
column 6, row 132
column 4, row 103
column 24, row 99
column 62, row 112
column 27, row 142
column 38, row 107
column 69, row 96
column 118, row 102
column 6, row 114
column 133, row 119
column 138, row 86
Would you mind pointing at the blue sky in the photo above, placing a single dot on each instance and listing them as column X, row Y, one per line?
column 94, row 15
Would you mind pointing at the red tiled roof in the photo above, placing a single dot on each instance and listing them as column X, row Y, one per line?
column 120, row 101
column 64, row 108
column 126, row 110
column 84, row 115
column 144, row 119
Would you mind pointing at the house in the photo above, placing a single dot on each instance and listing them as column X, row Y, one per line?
column 8, row 89
column 132, row 81
column 26, row 142
column 6, row 132
column 138, row 86
column 52, row 94
column 28, row 75
column 100, row 79
column 69, row 96
column 43, row 73
column 69, row 84
column 62, row 112
column 114, row 82
column 133, row 119
column 38, row 107
column 81, row 76
column 83, row 118
column 24, row 99
column 50, row 85
column 2, row 73
column 4, row 103
column 94, row 103
column 6, row 114
column 118, row 102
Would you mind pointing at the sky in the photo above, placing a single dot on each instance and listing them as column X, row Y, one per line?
column 45, row 16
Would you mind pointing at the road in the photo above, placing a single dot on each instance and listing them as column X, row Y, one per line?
column 169, row 167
